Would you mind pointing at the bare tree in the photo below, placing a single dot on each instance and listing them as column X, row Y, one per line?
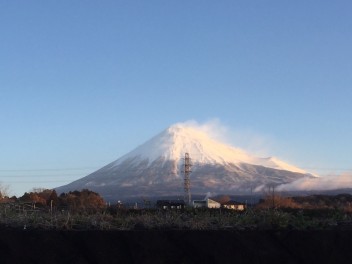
column 274, row 200
column 4, row 190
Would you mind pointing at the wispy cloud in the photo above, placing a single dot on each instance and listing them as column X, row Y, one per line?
column 213, row 127
column 330, row 182
column 246, row 139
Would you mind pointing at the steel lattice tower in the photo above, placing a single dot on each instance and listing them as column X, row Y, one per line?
column 187, row 183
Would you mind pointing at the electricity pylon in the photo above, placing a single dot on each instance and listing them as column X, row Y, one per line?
column 187, row 182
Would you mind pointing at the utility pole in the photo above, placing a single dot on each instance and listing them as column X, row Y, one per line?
column 273, row 196
column 187, row 182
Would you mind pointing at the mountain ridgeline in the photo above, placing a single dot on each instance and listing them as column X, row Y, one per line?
column 155, row 168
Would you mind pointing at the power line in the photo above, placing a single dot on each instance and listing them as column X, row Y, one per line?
column 40, row 175
column 62, row 169
column 94, row 168
column 34, row 181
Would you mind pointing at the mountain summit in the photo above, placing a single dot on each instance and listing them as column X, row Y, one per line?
column 154, row 168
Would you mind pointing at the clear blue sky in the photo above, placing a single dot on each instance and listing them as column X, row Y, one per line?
column 84, row 82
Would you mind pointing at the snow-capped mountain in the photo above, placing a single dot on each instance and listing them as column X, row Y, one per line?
column 155, row 168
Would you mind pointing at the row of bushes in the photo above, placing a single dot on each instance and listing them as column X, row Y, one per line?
column 111, row 218
column 342, row 202
column 87, row 210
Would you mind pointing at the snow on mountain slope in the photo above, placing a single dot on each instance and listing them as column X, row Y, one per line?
column 174, row 142
column 154, row 168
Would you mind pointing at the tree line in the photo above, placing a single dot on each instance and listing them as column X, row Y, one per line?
column 84, row 200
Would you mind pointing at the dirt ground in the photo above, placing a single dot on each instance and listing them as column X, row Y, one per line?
column 175, row 246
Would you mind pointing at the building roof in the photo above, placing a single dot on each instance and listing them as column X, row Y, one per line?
column 170, row 202
column 231, row 202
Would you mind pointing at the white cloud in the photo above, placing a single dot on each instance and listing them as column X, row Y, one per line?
column 246, row 139
column 330, row 182
column 213, row 127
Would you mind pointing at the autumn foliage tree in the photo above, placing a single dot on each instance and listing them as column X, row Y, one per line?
column 42, row 197
column 277, row 201
column 82, row 201
column 78, row 201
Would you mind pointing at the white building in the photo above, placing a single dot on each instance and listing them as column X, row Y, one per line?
column 233, row 205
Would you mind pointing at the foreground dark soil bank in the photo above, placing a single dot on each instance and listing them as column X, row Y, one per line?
column 170, row 246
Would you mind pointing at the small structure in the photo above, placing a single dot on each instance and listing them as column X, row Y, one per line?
column 170, row 204
column 199, row 203
column 207, row 203
column 233, row 205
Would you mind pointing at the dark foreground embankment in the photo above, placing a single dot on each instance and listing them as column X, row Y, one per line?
column 157, row 246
